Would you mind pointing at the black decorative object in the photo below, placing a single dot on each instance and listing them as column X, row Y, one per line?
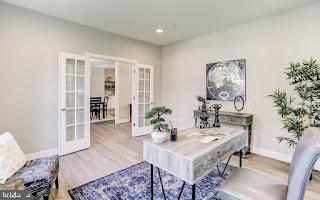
column 240, row 99
column 204, row 116
column 216, row 115
column 226, row 80
column 173, row 134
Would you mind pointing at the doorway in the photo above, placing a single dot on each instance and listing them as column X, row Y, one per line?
column 110, row 91
column 102, row 90
column 75, row 97
column 142, row 95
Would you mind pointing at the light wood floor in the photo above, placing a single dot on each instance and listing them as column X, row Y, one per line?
column 113, row 149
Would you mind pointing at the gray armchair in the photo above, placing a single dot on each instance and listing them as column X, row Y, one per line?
column 246, row 184
column 40, row 176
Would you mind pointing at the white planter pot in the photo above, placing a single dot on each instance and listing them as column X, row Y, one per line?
column 159, row 137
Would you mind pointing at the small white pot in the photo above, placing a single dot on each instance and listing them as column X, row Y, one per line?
column 159, row 137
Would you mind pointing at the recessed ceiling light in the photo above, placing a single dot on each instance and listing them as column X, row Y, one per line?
column 159, row 30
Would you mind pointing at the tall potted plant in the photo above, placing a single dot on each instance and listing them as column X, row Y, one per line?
column 160, row 127
column 303, row 111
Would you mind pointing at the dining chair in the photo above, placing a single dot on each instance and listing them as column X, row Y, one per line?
column 247, row 184
column 95, row 106
column 105, row 106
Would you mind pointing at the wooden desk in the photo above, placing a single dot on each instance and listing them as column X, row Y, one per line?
column 188, row 158
column 243, row 119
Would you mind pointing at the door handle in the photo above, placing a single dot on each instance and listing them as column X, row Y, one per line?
column 63, row 109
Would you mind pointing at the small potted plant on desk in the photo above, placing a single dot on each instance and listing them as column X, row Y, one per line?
column 160, row 127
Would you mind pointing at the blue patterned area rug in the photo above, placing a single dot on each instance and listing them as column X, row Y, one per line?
column 134, row 183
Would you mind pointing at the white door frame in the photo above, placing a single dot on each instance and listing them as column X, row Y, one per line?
column 117, row 92
column 138, row 130
column 117, row 60
column 106, row 57
column 85, row 143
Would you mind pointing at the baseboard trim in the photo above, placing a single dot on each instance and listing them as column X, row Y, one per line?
column 40, row 154
column 277, row 156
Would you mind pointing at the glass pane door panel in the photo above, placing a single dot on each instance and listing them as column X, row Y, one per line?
column 147, row 123
column 147, row 99
column 70, row 133
column 141, row 73
column 147, row 85
column 70, row 83
column 141, row 109
column 141, row 85
column 147, row 107
column 80, row 83
column 147, row 74
column 70, row 99
column 80, row 115
column 80, row 99
column 141, row 97
column 80, row 67
column 141, row 121
column 80, row 131
column 70, row 117
column 70, row 66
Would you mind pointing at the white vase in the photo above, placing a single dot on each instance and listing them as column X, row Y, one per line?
column 159, row 137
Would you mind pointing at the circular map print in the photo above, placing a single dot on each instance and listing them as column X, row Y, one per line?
column 226, row 80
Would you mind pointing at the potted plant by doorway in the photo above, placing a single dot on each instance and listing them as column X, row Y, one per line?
column 160, row 127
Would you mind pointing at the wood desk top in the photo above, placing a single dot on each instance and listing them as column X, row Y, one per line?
column 188, row 158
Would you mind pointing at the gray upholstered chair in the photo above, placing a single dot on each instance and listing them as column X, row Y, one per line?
column 246, row 184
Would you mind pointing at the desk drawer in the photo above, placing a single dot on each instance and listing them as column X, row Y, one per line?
column 230, row 119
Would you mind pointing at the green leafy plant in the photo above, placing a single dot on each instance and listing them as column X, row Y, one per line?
column 303, row 111
column 201, row 99
column 203, row 103
column 155, row 115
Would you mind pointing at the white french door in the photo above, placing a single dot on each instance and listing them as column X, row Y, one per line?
column 74, row 111
column 142, row 98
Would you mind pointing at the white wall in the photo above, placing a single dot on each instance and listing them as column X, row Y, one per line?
column 267, row 44
column 97, row 82
column 110, row 73
column 125, row 91
column 29, row 46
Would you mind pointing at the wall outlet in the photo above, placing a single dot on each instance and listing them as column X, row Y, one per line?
column 179, row 120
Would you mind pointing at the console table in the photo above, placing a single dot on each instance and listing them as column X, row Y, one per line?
column 243, row 119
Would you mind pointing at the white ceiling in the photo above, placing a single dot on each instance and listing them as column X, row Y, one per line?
column 139, row 19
